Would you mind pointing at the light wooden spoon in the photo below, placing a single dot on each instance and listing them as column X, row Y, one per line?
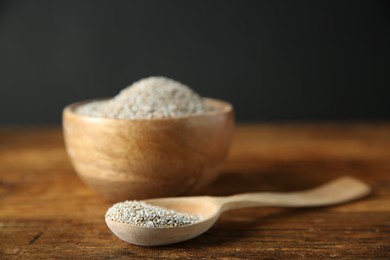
column 210, row 208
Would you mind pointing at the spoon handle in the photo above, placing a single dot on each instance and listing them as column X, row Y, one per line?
column 337, row 191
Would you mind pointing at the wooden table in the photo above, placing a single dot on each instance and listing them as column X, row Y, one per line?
column 47, row 212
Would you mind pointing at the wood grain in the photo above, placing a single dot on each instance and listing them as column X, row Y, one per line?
column 140, row 159
column 47, row 212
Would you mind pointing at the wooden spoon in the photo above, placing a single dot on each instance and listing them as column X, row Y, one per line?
column 210, row 208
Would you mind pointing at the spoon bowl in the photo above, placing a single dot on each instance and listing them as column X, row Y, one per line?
column 205, row 207
column 209, row 209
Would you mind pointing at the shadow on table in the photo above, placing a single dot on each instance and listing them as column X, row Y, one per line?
column 279, row 179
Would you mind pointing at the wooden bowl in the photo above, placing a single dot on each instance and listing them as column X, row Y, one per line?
column 147, row 158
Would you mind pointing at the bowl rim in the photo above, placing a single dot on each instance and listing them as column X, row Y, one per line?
column 224, row 108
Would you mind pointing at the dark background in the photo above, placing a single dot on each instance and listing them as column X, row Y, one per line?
column 274, row 60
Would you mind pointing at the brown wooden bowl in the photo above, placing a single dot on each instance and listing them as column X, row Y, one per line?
column 147, row 158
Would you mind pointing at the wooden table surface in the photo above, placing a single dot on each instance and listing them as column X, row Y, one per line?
column 47, row 212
